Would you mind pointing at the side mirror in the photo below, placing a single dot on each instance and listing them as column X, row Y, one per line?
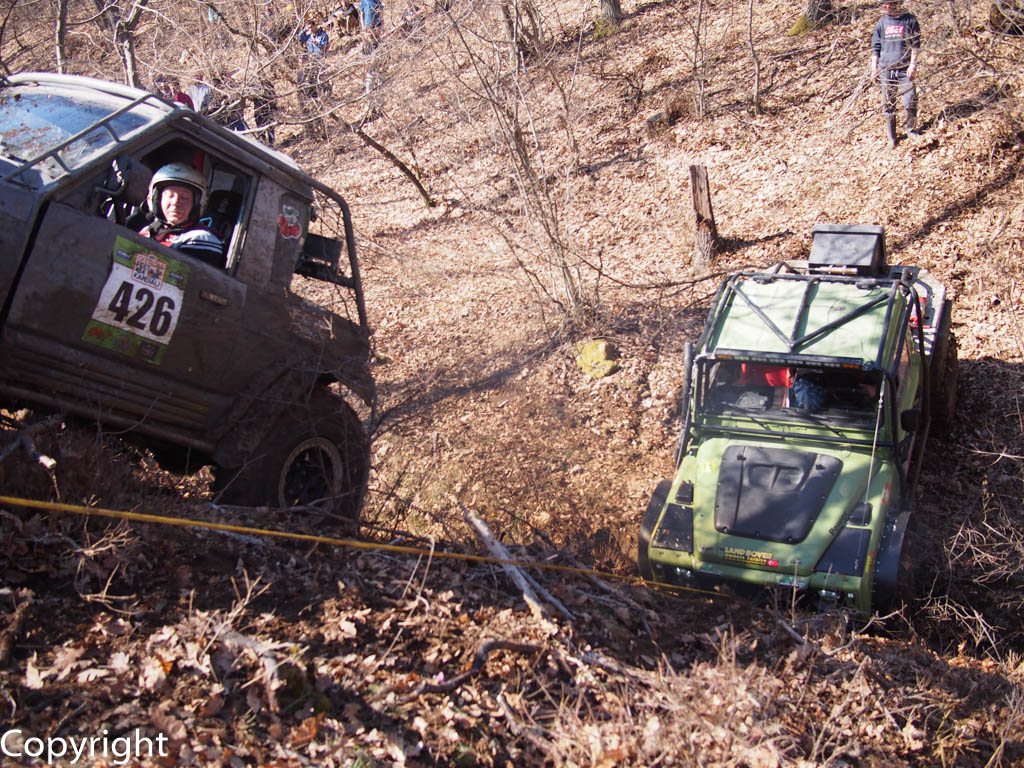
column 910, row 420
column 320, row 258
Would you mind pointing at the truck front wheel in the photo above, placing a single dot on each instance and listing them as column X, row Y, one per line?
column 315, row 454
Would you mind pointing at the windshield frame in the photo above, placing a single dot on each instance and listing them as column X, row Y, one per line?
column 787, row 421
column 46, row 165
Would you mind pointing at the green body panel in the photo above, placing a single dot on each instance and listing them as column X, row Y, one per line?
column 752, row 561
column 793, row 363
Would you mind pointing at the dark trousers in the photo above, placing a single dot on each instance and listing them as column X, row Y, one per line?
column 896, row 85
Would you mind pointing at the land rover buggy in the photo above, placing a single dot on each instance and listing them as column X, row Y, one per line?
column 807, row 401
column 233, row 364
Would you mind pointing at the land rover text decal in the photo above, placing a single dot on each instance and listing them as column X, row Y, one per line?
column 139, row 305
column 751, row 556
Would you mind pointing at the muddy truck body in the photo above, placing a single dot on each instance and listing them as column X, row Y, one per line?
column 224, row 364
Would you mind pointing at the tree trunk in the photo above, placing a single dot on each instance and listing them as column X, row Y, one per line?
column 818, row 10
column 126, row 50
column 112, row 19
column 705, row 229
column 611, row 12
column 522, row 24
column 62, row 23
column 757, row 62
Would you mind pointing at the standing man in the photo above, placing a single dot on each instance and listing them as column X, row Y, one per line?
column 895, row 44
column 315, row 40
column 370, row 11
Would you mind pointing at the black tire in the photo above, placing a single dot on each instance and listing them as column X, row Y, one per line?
column 315, row 454
column 944, row 392
column 654, row 506
column 896, row 575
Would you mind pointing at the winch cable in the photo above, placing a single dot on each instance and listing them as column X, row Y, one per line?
column 184, row 522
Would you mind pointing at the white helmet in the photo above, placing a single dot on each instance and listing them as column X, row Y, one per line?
column 185, row 175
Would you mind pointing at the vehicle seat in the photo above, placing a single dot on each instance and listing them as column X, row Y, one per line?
column 222, row 213
column 761, row 375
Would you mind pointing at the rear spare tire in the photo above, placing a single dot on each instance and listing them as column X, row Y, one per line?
column 315, row 454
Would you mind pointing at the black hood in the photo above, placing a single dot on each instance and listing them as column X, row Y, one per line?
column 772, row 494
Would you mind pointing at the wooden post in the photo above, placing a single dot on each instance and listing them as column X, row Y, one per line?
column 706, row 231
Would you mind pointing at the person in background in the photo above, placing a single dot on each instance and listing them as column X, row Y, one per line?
column 314, row 87
column 371, row 14
column 200, row 94
column 314, row 37
column 177, row 196
column 233, row 114
column 263, row 108
column 170, row 91
column 895, row 44
column 370, row 11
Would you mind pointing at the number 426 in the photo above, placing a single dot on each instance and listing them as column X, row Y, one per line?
column 140, row 308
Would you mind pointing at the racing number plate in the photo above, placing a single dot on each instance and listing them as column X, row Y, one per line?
column 139, row 305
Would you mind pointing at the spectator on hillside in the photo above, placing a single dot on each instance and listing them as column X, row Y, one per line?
column 232, row 115
column 200, row 94
column 263, row 108
column 371, row 13
column 314, row 37
column 313, row 85
column 169, row 89
column 895, row 44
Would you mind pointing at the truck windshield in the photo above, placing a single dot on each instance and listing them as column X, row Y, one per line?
column 34, row 122
column 748, row 388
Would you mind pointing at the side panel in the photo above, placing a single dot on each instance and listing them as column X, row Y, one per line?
column 108, row 323
column 17, row 213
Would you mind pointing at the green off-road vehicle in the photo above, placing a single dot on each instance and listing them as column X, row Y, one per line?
column 255, row 361
column 807, row 401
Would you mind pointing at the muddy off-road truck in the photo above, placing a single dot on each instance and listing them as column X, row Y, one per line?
column 807, row 401
column 223, row 363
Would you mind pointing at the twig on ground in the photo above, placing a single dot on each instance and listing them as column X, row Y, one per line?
column 8, row 636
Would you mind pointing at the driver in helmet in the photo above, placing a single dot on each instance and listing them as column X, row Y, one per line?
column 177, row 196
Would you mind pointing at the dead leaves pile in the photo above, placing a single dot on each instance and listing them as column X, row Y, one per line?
column 295, row 658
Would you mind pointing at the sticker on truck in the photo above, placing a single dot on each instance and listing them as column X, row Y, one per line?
column 139, row 305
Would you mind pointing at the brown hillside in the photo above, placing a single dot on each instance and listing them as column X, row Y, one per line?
column 252, row 651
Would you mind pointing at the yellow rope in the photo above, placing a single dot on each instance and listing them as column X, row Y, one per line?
column 185, row 522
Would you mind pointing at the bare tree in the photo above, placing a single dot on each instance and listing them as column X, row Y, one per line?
column 59, row 33
column 121, row 23
column 700, row 57
column 519, row 98
column 523, row 27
